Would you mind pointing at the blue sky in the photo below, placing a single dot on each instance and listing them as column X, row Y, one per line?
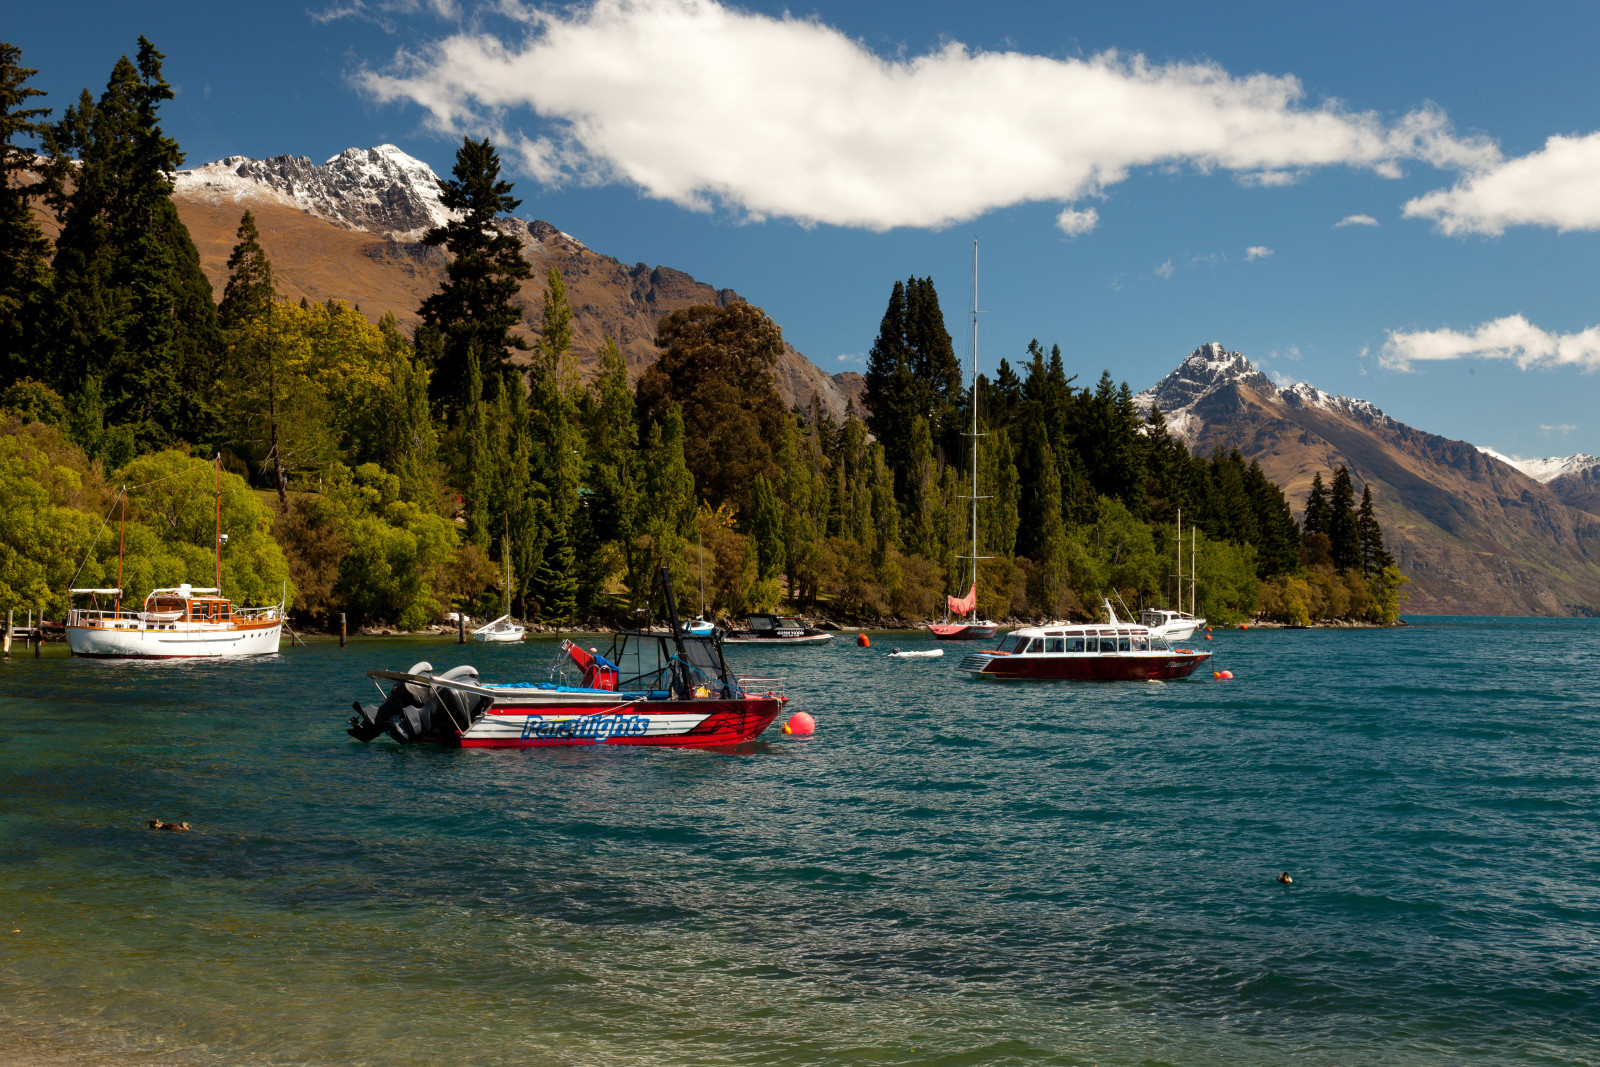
column 809, row 156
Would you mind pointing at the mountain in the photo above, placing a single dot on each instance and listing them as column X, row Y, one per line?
column 350, row 229
column 1575, row 478
column 1475, row 534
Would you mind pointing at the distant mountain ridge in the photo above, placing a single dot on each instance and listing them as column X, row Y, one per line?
column 351, row 228
column 1476, row 534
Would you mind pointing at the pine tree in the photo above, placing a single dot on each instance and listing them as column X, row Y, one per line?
column 613, row 442
column 131, row 305
column 1374, row 557
column 920, row 498
column 249, row 292
column 473, row 308
column 24, row 251
column 667, row 501
column 912, row 372
column 1315, row 520
column 1343, row 539
column 477, row 475
column 767, row 529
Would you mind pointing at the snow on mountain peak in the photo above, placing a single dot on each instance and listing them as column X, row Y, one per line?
column 1212, row 367
column 380, row 189
column 1546, row 469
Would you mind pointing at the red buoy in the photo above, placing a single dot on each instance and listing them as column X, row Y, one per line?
column 1208, row 637
column 1224, row 675
column 800, row 724
column 861, row 639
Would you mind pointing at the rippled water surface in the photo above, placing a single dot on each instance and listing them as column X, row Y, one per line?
column 949, row 871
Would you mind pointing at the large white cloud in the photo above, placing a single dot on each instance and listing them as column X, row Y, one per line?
column 701, row 104
column 1554, row 186
column 1512, row 337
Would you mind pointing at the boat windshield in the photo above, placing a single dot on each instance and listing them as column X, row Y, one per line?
column 1012, row 642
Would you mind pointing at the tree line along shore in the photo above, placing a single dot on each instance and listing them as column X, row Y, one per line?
column 394, row 478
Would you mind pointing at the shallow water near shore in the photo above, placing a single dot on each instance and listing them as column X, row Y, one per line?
column 948, row 872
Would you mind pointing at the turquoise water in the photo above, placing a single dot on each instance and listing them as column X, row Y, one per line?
column 949, row 872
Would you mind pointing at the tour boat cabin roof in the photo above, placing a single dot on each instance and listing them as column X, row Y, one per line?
column 1088, row 629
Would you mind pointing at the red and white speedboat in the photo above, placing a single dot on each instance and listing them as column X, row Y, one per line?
column 687, row 699
column 1114, row 651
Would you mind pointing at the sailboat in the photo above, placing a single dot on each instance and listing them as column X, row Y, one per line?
column 1178, row 625
column 962, row 621
column 700, row 626
column 180, row 622
column 505, row 629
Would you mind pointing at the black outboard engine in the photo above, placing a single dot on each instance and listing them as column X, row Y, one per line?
column 414, row 711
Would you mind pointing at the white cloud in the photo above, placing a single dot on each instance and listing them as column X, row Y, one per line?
column 1512, row 337
column 1074, row 223
column 1165, row 270
column 1564, row 429
column 1270, row 178
column 1256, row 252
column 1554, row 186
column 849, row 357
column 701, row 105
column 1282, row 380
column 1356, row 220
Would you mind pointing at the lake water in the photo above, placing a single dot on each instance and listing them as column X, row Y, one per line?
column 949, row 872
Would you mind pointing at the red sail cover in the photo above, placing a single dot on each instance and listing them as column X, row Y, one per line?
column 965, row 605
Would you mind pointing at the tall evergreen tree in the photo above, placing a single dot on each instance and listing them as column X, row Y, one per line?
column 1315, row 520
column 613, row 442
column 24, row 251
column 1369, row 536
column 249, row 292
column 473, row 308
column 131, row 305
column 912, row 372
column 1343, row 539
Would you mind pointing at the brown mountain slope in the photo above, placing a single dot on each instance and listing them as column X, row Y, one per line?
column 317, row 258
column 1475, row 535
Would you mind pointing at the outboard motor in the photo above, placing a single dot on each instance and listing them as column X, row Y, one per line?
column 369, row 721
column 460, row 709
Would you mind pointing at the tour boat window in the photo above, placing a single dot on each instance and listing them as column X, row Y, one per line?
column 1055, row 644
column 1108, row 644
column 1074, row 644
column 1035, row 646
column 1010, row 643
column 1124, row 644
column 1141, row 644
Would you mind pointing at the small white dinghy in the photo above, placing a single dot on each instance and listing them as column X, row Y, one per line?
column 929, row 653
column 505, row 628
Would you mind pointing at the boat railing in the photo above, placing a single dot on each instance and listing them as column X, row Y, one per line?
column 757, row 684
column 102, row 616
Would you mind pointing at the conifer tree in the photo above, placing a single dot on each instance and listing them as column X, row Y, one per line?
column 24, row 251
column 767, row 529
column 1315, row 520
column 250, row 291
column 473, row 308
column 613, row 441
column 912, row 372
column 131, row 305
column 884, row 511
column 667, row 501
column 1343, row 539
column 1374, row 557
column 477, row 476
column 920, row 499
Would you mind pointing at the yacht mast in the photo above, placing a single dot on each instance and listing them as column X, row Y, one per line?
column 218, row 544
column 1180, row 561
column 974, row 418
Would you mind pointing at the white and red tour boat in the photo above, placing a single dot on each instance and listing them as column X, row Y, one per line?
column 683, row 695
column 1112, row 651
column 181, row 622
column 962, row 621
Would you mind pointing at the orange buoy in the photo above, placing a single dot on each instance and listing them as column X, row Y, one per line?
column 861, row 639
column 800, row 724
column 1208, row 637
column 1244, row 626
column 1224, row 675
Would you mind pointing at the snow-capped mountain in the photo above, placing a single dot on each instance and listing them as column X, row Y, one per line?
column 1548, row 469
column 1475, row 532
column 380, row 190
column 1211, row 368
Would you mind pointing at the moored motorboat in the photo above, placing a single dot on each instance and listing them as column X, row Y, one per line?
column 776, row 630
column 924, row 653
column 503, row 630
column 689, row 699
column 1112, row 651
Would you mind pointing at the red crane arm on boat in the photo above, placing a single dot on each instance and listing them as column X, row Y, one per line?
column 598, row 672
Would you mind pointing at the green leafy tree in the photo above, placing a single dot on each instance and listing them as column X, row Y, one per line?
column 716, row 366
column 473, row 309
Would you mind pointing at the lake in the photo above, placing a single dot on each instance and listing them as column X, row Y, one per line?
column 949, row 871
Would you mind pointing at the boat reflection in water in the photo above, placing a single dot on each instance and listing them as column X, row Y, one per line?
column 1114, row 651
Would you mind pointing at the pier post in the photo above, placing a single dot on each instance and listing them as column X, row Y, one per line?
column 38, row 638
column 461, row 628
column 8, row 633
column 341, row 629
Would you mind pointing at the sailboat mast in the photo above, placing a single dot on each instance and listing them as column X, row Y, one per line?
column 1194, row 537
column 1180, row 559
column 122, row 528
column 974, row 418
column 218, row 540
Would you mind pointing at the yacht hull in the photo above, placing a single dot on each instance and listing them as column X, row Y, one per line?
column 963, row 631
column 163, row 642
column 1120, row 667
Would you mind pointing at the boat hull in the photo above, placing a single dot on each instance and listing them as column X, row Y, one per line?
column 805, row 639
column 675, row 723
column 963, row 631
column 150, row 642
column 501, row 638
column 1133, row 667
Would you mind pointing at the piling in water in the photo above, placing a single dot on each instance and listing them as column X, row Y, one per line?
column 341, row 629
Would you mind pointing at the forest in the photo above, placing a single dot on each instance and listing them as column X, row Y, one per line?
column 395, row 477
